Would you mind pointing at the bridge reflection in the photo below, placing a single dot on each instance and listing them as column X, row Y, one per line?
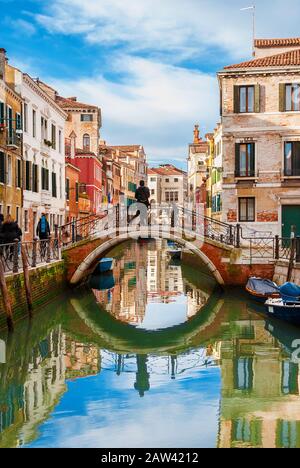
column 259, row 400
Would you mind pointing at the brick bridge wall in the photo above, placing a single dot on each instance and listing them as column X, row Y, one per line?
column 225, row 260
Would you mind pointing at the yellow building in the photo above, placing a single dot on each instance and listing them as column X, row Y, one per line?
column 10, row 146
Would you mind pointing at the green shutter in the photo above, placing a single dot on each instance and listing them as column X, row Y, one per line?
column 236, row 99
column 257, row 98
column 2, row 168
column 2, row 116
column 282, row 98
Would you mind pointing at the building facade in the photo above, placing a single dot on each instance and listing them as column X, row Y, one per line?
column 260, row 101
column 11, row 157
column 167, row 184
column 43, row 154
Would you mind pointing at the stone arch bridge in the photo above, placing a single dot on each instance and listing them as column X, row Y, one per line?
column 229, row 257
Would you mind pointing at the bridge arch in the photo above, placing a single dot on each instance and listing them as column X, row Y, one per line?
column 89, row 261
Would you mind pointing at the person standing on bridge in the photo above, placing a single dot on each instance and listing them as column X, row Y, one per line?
column 43, row 228
column 142, row 194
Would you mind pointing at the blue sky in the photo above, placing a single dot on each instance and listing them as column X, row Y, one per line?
column 149, row 64
column 106, row 411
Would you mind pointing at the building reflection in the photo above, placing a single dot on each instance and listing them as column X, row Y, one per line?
column 31, row 392
column 260, row 404
column 144, row 275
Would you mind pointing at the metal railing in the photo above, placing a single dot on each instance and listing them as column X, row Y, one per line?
column 173, row 216
column 38, row 252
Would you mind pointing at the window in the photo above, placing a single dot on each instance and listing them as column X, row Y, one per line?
column 2, row 167
column 34, row 123
column 45, row 178
column 176, row 180
column 18, row 214
column 246, row 99
column 289, row 378
column 28, row 175
column 18, row 173
column 86, row 141
column 18, row 121
column 292, row 158
column 247, row 209
column 245, row 160
column 2, row 113
column 8, row 210
column 9, row 170
column 35, row 178
column 59, row 141
column 54, row 188
column 167, row 181
column 152, row 192
column 44, row 128
column 243, row 374
column 68, row 189
column 77, row 192
column 25, row 117
column 153, row 179
column 86, row 117
column 53, row 136
column 292, row 97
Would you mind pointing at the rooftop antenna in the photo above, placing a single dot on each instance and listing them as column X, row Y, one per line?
column 253, row 8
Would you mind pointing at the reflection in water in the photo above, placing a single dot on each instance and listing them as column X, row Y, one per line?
column 143, row 277
column 231, row 381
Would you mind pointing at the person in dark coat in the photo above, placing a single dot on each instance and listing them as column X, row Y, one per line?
column 142, row 194
column 10, row 231
column 43, row 228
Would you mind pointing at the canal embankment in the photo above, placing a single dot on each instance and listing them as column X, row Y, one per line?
column 46, row 281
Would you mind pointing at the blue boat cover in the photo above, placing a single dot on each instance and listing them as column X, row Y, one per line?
column 290, row 291
column 262, row 286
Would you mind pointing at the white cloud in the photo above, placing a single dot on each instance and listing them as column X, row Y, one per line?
column 184, row 28
column 160, row 99
column 156, row 106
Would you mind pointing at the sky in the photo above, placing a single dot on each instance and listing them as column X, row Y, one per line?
column 149, row 64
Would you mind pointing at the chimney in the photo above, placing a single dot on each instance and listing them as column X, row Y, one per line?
column 2, row 63
column 73, row 145
column 197, row 138
column 73, row 98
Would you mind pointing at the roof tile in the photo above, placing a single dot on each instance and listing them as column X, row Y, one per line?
column 286, row 59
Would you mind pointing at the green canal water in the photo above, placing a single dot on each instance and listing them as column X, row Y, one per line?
column 154, row 355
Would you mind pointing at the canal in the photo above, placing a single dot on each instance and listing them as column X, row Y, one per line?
column 152, row 355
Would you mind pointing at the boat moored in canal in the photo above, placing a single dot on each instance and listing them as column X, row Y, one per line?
column 289, row 311
column 261, row 289
column 104, row 265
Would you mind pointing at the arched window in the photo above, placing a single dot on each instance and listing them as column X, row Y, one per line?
column 86, row 141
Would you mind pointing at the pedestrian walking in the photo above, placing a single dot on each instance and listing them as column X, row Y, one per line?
column 43, row 232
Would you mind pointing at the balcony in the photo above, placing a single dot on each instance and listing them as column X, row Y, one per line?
column 13, row 139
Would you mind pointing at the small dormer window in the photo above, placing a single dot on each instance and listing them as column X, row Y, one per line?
column 86, row 117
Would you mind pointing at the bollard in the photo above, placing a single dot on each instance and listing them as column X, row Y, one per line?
column 26, row 280
column 6, row 299
column 34, row 252
column 48, row 250
column 16, row 256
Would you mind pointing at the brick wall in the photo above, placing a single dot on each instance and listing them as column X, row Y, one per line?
column 46, row 283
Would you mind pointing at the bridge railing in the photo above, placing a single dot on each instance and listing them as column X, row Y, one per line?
column 181, row 220
column 37, row 252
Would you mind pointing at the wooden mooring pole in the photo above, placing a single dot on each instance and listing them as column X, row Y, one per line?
column 26, row 280
column 6, row 299
column 293, row 253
